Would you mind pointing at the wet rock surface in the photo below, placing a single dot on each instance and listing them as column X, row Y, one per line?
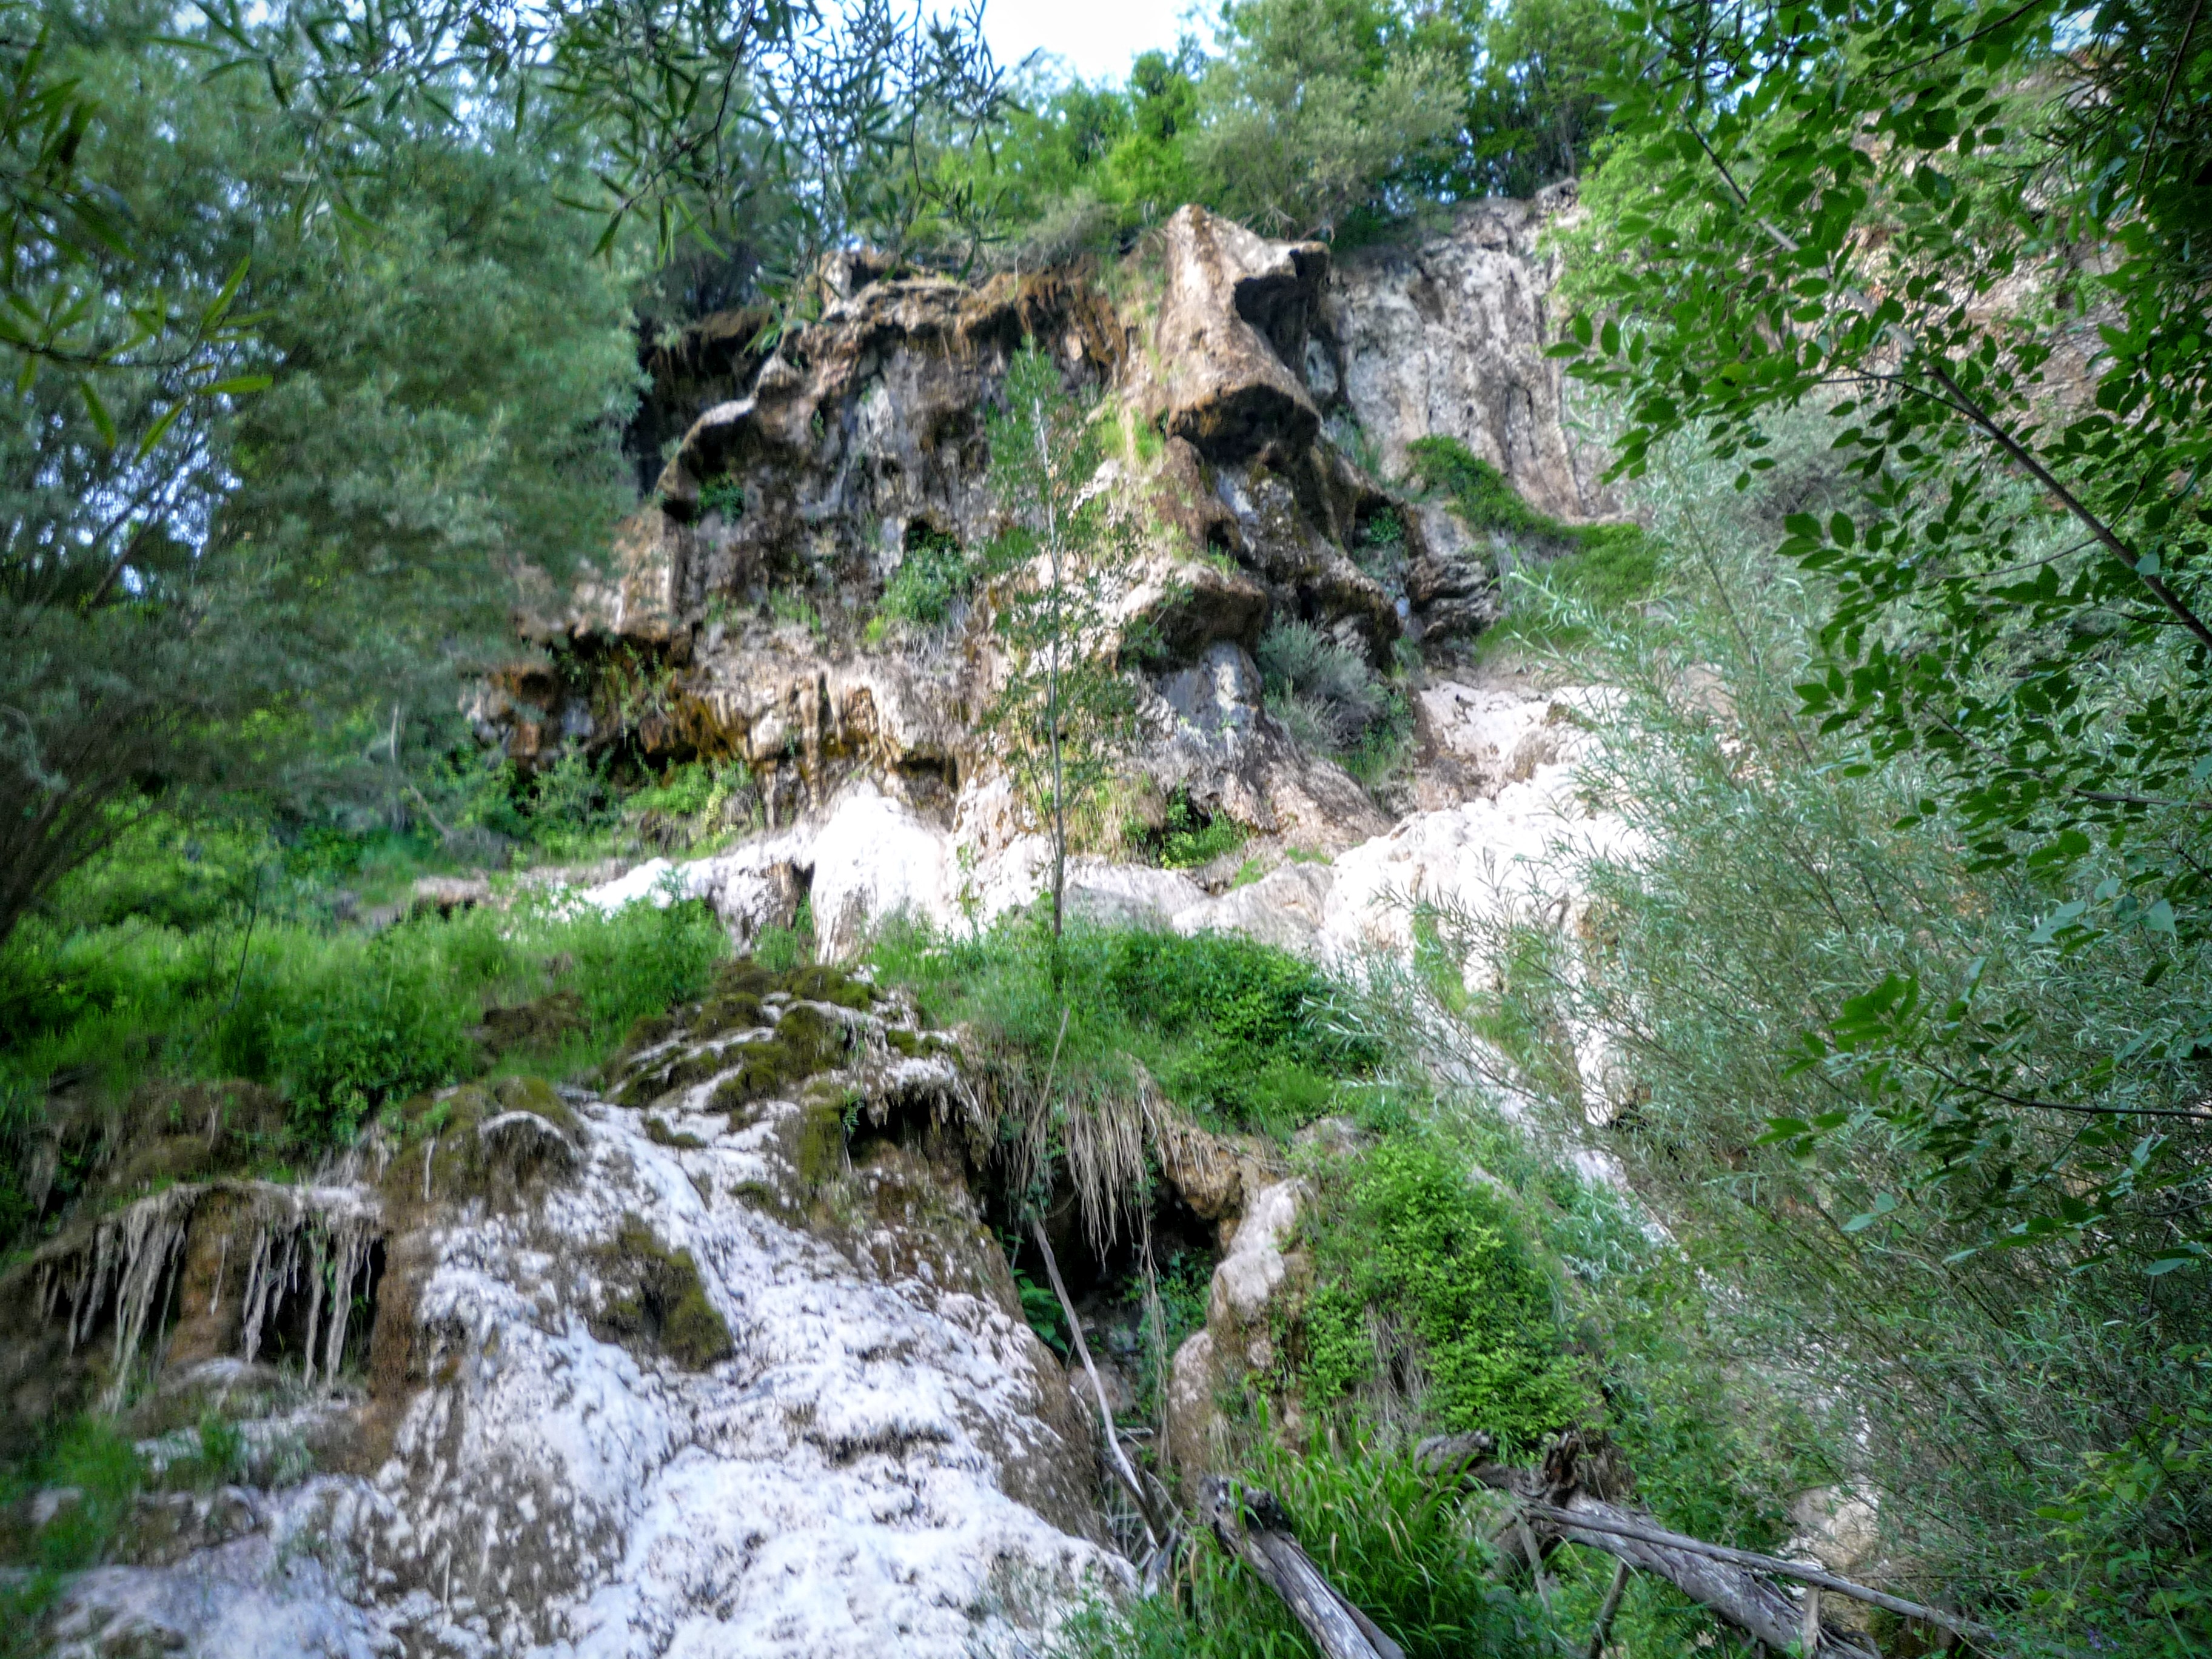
column 871, row 1451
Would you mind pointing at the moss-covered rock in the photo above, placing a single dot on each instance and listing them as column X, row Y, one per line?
column 655, row 1302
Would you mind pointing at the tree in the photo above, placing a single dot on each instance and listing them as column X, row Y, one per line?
column 1537, row 101
column 1975, row 235
column 1064, row 709
column 200, row 595
column 1320, row 109
column 225, row 541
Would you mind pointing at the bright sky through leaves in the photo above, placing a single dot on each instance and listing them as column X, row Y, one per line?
column 1096, row 41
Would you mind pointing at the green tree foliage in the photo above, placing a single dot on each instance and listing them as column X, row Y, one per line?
column 2020, row 1385
column 1538, row 96
column 1331, row 117
column 1973, row 235
column 314, row 363
column 231, row 592
column 1063, row 708
column 1318, row 108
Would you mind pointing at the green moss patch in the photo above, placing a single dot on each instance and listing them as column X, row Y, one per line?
column 655, row 1301
column 658, row 1131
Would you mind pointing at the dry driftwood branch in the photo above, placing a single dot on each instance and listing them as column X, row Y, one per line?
column 1105, row 1410
column 1627, row 1524
column 1603, row 1628
column 1552, row 1502
column 1252, row 1527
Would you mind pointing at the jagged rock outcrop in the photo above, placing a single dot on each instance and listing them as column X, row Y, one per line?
column 1444, row 337
column 723, row 1359
column 735, row 620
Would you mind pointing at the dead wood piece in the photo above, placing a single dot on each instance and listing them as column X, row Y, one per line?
column 1605, row 1613
column 1588, row 1516
column 1105, row 1409
column 1731, row 1583
column 1265, row 1543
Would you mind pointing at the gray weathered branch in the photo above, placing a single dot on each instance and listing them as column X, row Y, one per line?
column 1552, row 1503
column 1252, row 1527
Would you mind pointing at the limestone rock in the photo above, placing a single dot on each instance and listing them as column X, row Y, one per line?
column 1285, row 909
column 1446, row 337
column 882, row 1447
column 1232, row 319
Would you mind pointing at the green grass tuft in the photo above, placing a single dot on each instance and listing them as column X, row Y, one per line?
column 1387, row 1536
column 1238, row 1033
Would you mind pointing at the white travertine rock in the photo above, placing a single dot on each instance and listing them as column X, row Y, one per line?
column 861, row 1475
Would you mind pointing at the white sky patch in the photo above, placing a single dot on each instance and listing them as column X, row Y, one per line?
column 1096, row 39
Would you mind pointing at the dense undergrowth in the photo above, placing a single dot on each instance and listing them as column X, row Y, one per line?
column 1993, row 1325
column 1239, row 1034
column 107, row 1021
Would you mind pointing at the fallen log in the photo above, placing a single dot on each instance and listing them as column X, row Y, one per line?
column 1253, row 1528
column 1551, row 1507
column 1628, row 1524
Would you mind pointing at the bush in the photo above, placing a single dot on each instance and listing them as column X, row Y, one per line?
column 1987, row 1340
column 1321, row 689
column 1418, row 1269
column 1389, row 1537
column 935, row 576
column 1562, row 576
column 1237, row 1032
column 342, row 1022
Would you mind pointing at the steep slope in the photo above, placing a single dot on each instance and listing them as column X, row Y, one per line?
column 722, row 1357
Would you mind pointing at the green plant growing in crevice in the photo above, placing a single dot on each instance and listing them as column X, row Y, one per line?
column 1042, row 1311
column 780, row 948
column 934, row 575
column 1187, row 837
column 723, row 496
column 1321, row 690
column 789, row 604
column 91, row 1457
column 1554, row 575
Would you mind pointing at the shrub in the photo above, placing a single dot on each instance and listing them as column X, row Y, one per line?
column 342, row 1022
column 1408, row 1247
column 1586, row 571
column 1322, row 689
column 1235, row 1031
column 1391, row 1539
column 935, row 576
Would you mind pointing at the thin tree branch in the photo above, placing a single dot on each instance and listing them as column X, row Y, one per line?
column 2096, row 526
column 2180, row 56
column 1105, row 1411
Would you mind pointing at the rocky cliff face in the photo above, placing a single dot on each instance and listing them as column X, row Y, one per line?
column 722, row 1357
column 1249, row 378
